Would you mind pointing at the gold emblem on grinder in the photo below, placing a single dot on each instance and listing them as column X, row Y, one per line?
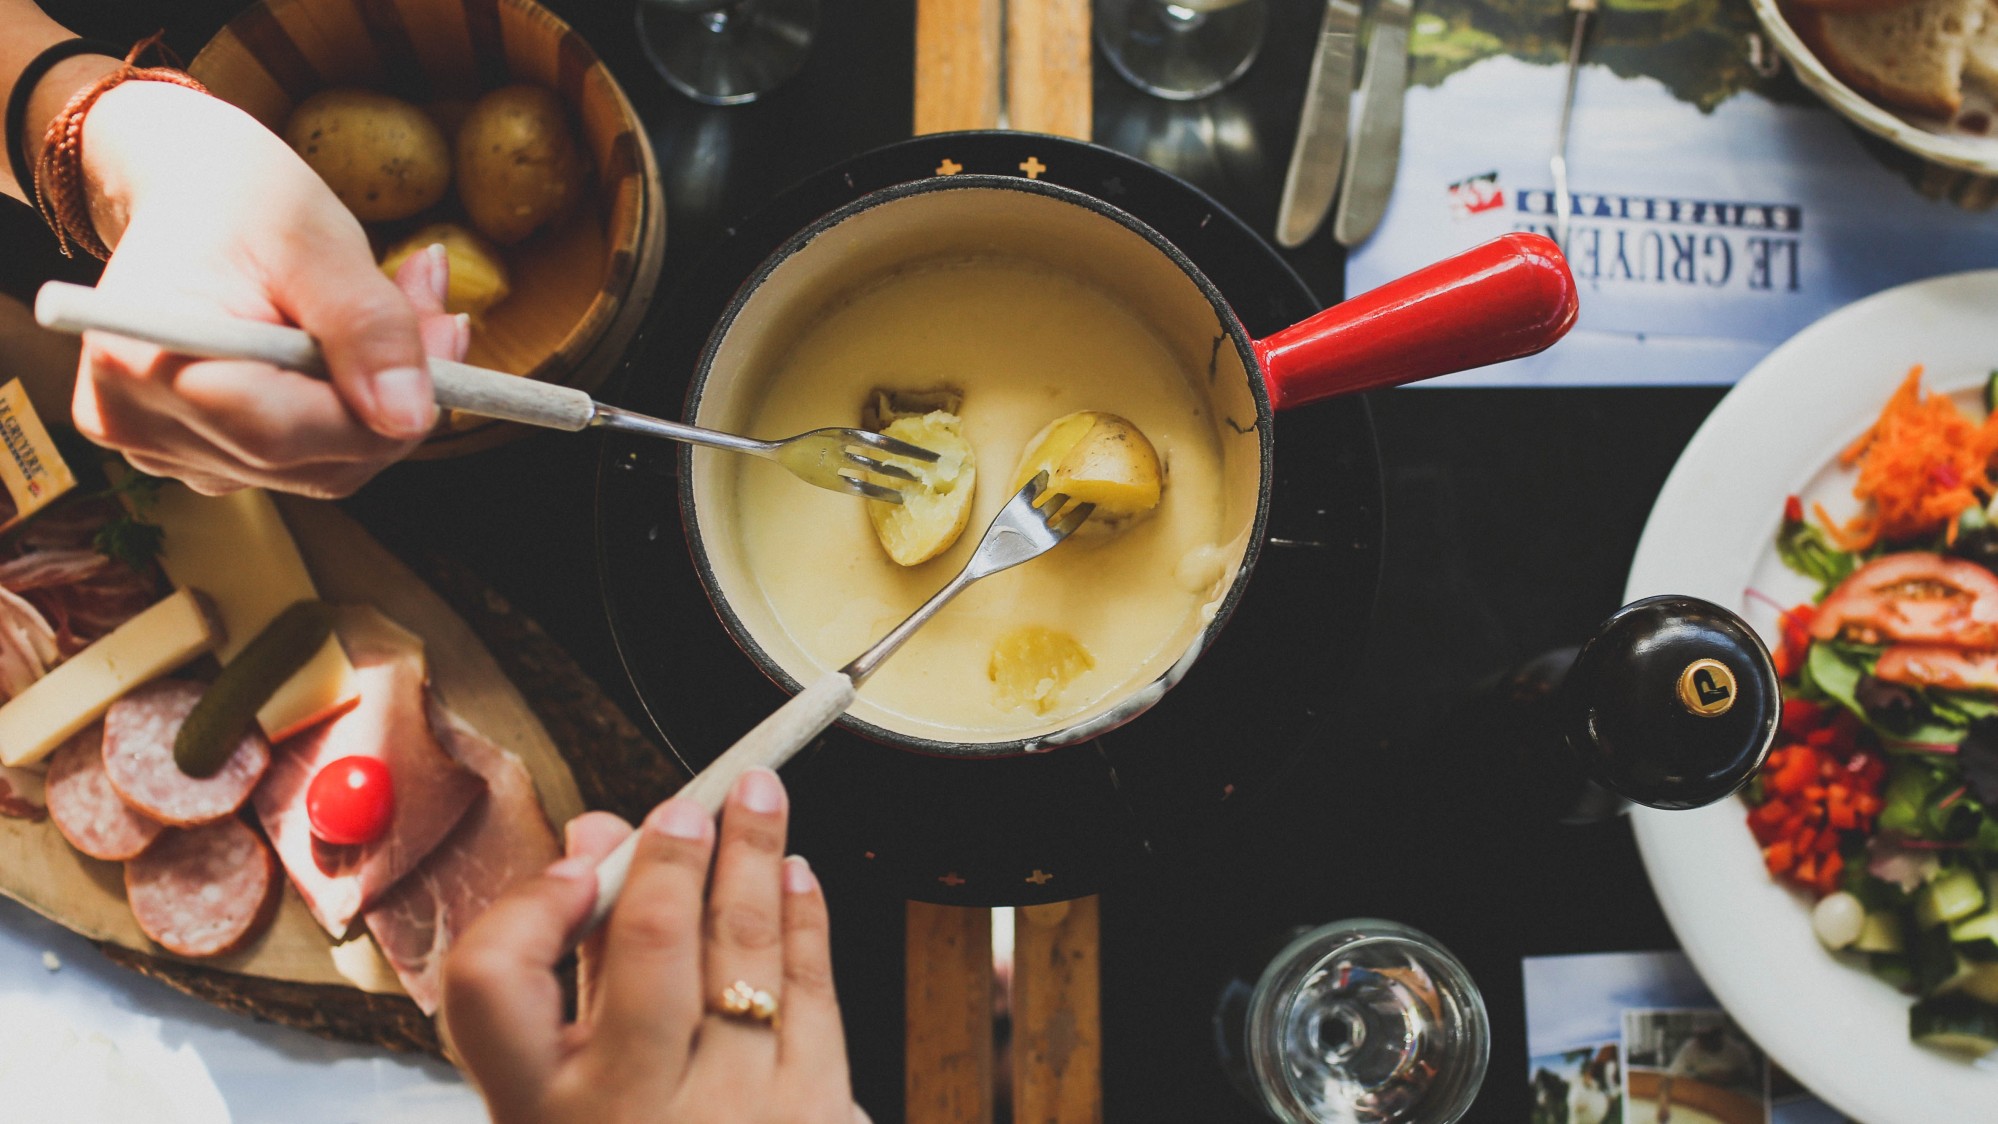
column 1706, row 688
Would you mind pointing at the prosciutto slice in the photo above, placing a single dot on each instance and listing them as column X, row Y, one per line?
column 27, row 644
column 503, row 839
column 432, row 790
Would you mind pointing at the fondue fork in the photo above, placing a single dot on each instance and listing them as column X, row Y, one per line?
column 823, row 457
column 1026, row 528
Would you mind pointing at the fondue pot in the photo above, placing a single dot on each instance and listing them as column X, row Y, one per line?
column 1508, row 298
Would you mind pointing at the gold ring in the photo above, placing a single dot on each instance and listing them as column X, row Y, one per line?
column 741, row 1001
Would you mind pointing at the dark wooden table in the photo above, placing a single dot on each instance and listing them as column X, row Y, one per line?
column 1511, row 518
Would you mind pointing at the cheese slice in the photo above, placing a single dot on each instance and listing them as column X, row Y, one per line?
column 235, row 549
column 81, row 688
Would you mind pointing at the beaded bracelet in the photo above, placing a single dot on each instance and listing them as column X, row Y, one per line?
column 59, row 185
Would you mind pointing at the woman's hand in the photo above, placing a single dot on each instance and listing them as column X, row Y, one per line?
column 647, row 1043
column 205, row 208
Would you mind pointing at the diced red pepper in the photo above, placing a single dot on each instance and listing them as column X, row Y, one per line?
column 1779, row 857
column 1793, row 509
column 1800, row 716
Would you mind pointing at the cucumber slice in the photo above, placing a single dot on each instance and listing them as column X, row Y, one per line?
column 1955, row 895
column 1880, row 933
column 1991, row 393
column 1976, row 927
column 1932, row 958
column 1954, row 1022
column 1893, row 968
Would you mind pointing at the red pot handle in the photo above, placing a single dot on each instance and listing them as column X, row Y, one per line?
column 1510, row 297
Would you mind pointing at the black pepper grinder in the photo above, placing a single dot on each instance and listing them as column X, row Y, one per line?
column 1672, row 704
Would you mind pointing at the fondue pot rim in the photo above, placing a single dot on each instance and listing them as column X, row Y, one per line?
column 1136, row 701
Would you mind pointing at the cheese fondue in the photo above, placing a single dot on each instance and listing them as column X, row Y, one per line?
column 1025, row 344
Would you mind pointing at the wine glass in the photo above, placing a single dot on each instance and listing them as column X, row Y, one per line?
column 727, row 52
column 1180, row 49
column 1356, row 1022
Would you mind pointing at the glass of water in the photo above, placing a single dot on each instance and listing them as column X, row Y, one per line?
column 727, row 52
column 1180, row 49
column 1357, row 1022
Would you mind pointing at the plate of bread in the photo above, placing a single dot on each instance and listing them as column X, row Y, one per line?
column 1921, row 73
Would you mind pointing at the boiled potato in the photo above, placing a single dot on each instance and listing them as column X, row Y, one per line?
column 478, row 276
column 933, row 511
column 381, row 156
column 518, row 165
column 1096, row 458
column 1031, row 666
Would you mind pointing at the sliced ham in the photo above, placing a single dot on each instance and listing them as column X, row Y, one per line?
column 139, row 730
column 21, row 795
column 28, row 645
column 503, row 839
column 87, row 810
column 432, row 791
column 204, row 891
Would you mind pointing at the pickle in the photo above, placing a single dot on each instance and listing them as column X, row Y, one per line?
column 230, row 704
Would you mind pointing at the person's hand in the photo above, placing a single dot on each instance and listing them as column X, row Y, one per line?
column 206, row 209
column 647, row 1043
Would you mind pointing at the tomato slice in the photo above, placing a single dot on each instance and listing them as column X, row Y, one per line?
column 351, row 801
column 1913, row 598
column 1931, row 665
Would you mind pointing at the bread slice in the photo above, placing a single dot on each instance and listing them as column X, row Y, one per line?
column 1850, row 5
column 1981, row 67
column 1910, row 56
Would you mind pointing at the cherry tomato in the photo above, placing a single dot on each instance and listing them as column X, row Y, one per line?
column 351, row 801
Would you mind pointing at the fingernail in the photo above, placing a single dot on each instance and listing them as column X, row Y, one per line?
column 440, row 271
column 680, row 819
column 798, row 877
column 573, row 869
column 464, row 323
column 404, row 402
column 760, row 791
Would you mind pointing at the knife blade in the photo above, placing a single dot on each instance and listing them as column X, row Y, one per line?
column 1320, row 149
column 1559, row 164
column 1375, row 149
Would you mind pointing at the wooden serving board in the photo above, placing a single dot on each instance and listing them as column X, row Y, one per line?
column 290, row 975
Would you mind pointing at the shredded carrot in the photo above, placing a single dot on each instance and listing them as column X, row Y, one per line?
column 1921, row 464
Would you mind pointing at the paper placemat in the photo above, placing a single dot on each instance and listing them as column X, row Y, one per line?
column 1717, row 212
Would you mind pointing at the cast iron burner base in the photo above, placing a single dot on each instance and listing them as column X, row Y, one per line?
column 1060, row 824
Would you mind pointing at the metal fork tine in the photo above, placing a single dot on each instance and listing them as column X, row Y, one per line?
column 892, row 447
column 1072, row 519
column 882, row 468
column 1051, row 506
column 870, row 491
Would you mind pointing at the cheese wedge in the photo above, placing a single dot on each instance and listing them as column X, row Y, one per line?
column 81, row 688
column 235, row 549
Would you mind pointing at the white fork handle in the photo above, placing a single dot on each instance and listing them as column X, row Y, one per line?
column 774, row 741
column 458, row 386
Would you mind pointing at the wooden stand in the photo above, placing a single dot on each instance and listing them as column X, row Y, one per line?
column 1057, row 1044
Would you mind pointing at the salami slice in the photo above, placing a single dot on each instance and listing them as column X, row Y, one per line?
column 138, row 757
column 86, row 809
column 204, row 891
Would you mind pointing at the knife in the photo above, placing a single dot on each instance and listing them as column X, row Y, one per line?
column 1320, row 150
column 1375, row 149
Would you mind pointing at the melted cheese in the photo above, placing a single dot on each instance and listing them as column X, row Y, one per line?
column 1025, row 345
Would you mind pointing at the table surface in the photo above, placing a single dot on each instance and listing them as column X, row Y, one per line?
column 1511, row 519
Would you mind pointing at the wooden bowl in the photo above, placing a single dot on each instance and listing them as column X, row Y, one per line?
column 580, row 287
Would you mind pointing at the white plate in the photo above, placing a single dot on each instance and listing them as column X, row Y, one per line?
column 1843, row 1033
column 1944, row 142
